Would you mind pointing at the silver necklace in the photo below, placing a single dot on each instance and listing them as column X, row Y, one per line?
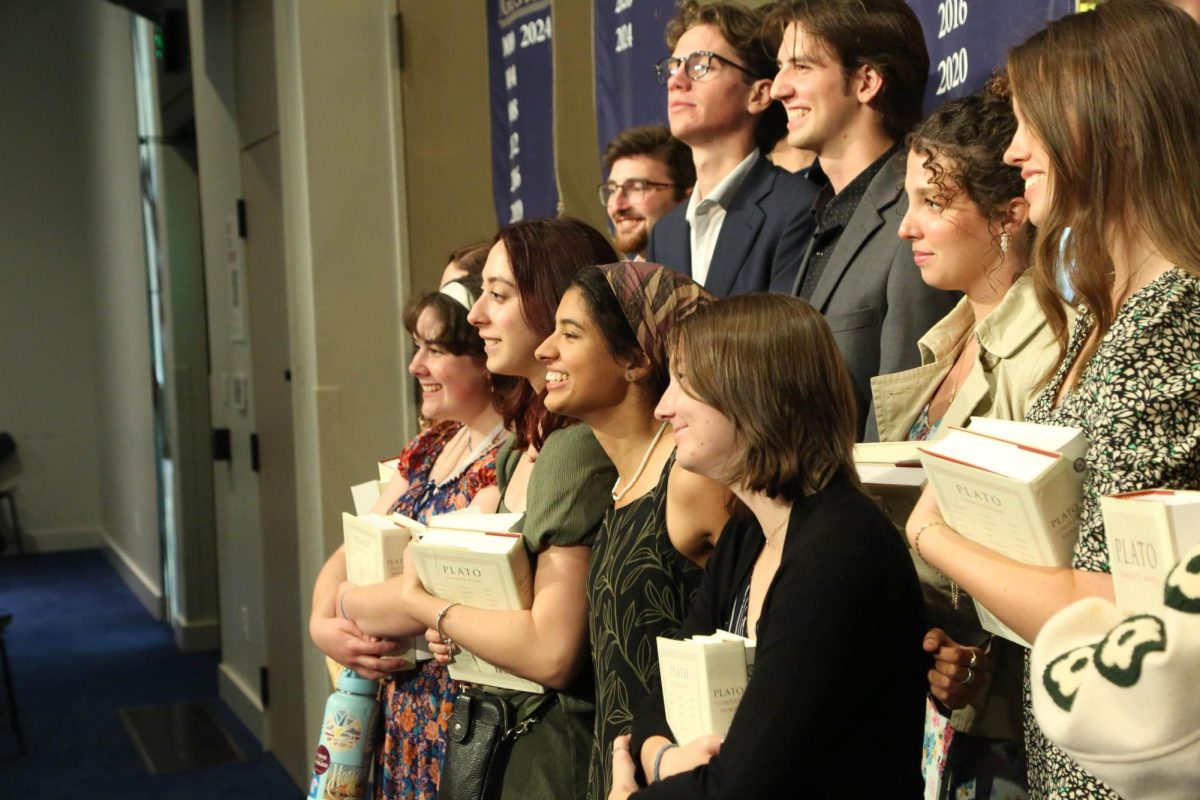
column 473, row 454
column 616, row 496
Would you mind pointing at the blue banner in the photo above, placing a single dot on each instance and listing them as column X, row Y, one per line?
column 628, row 43
column 968, row 39
column 521, row 82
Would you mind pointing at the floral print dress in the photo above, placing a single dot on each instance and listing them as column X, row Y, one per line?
column 1138, row 402
column 418, row 704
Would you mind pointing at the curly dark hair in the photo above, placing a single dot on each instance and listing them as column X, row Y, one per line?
column 963, row 142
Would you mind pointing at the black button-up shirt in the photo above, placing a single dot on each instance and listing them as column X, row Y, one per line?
column 831, row 213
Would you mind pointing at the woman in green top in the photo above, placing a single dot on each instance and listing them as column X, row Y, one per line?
column 556, row 474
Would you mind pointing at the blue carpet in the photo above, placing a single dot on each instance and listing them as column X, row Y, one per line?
column 82, row 647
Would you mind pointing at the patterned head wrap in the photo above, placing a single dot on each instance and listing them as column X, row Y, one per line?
column 654, row 298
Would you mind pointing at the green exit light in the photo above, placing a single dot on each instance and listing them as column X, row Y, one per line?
column 158, row 44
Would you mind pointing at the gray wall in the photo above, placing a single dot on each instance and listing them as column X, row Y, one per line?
column 74, row 360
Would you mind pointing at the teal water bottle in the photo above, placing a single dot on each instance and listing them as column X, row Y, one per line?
column 342, row 767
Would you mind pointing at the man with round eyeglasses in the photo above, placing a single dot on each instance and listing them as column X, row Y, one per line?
column 650, row 172
column 718, row 80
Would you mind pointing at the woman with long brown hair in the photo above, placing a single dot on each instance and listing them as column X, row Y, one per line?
column 1108, row 105
column 443, row 469
column 558, row 476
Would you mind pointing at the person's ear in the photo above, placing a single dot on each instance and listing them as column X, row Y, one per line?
column 1016, row 214
column 760, row 96
column 867, row 84
column 638, row 368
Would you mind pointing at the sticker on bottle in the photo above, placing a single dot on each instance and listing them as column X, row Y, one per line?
column 342, row 731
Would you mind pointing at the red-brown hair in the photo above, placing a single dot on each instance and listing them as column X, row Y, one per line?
column 544, row 255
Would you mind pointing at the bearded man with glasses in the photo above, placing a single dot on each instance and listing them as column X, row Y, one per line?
column 718, row 80
column 650, row 172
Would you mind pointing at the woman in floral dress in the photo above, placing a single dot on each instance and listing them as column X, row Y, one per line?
column 441, row 470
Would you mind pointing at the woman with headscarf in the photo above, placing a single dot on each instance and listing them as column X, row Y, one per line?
column 606, row 365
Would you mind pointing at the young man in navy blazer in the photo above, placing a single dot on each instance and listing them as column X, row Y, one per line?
column 718, row 81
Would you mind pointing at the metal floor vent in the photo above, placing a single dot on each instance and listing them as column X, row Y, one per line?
column 179, row 736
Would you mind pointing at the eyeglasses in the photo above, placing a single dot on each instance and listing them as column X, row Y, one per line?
column 696, row 65
column 634, row 189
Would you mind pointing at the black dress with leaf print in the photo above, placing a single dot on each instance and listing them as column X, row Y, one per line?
column 638, row 589
column 1138, row 403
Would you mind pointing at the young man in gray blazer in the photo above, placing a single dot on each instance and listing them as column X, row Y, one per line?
column 718, row 81
column 851, row 79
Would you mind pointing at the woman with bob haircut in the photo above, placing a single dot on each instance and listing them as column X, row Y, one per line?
column 606, row 365
column 814, row 561
column 441, row 470
column 1105, row 142
column 557, row 474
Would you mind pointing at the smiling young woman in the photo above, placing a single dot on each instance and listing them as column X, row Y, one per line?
column 441, row 470
column 967, row 222
column 606, row 365
column 558, row 476
column 813, row 563
column 1105, row 143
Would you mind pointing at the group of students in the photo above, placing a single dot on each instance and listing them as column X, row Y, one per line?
column 685, row 464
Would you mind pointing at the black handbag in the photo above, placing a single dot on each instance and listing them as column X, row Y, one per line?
column 480, row 734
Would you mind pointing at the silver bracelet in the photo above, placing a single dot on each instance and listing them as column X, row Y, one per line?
column 342, row 605
column 441, row 616
column 655, row 777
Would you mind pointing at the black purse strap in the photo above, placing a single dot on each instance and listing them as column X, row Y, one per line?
column 535, row 716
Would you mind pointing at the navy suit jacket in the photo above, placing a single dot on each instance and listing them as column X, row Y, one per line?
column 747, row 257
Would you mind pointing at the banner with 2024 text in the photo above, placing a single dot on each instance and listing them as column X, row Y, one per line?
column 521, row 86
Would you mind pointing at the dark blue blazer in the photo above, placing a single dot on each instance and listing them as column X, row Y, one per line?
column 747, row 257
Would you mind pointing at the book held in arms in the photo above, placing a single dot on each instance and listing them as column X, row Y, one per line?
column 365, row 494
column 892, row 475
column 1013, row 487
column 375, row 552
column 1147, row 532
column 703, row 680
column 473, row 559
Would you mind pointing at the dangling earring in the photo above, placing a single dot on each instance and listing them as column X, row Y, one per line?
column 1004, row 240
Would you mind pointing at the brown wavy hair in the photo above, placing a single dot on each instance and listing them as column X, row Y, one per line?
column 1113, row 95
column 455, row 334
column 743, row 29
column 884, row 34
column 471, row 258
column 963, row 142
column 544, row 254
column 769, row 363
